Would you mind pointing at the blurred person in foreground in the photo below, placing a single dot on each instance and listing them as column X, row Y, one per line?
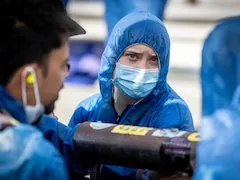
column 217, row 156
column 133, row 84
column 219, row 76
column 34, row 62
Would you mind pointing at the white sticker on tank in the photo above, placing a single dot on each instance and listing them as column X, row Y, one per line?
column 168, row 133
column 99, row 125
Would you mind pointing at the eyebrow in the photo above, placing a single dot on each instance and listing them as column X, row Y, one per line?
column 137, row 52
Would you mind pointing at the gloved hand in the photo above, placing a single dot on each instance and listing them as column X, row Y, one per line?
column 154, row 175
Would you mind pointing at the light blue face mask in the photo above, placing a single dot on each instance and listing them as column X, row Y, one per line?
column 134, row 82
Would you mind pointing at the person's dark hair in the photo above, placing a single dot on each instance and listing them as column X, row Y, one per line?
column 30, row 30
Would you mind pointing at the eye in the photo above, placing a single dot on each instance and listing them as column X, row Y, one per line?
column 132, row 56
column 155, row 59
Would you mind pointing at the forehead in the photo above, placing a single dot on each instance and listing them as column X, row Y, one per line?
column 141, row 48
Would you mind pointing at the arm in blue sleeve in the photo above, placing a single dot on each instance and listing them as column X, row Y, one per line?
column 26, row 154
column 174, row 114
column 87, row 110
column 62, row 137
column 76, row 118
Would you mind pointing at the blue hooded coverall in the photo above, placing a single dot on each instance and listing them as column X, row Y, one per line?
column 24, row 152
column 217, row 153
column 162, row 108
column 219, row 72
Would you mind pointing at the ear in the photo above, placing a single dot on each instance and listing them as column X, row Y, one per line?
column 32, row 77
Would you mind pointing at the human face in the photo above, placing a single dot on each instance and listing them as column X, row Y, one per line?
column 139, row 56
column 53, row 82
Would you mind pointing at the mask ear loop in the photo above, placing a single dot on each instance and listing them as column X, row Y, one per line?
column 31, row 79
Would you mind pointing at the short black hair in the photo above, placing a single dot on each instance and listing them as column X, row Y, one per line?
column 29, row 31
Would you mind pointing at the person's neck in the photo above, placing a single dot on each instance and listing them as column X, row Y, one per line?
column 121, row 101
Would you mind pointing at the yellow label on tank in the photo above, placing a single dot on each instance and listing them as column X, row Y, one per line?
column 131, row 130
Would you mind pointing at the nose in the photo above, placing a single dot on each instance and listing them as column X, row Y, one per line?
column 66, row 73
column 142, row 63
column 68, row 67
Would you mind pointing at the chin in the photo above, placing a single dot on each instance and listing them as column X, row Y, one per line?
column 49, row 109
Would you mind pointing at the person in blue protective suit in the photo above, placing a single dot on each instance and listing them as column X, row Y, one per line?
column 113, row 13
column 34, row 62
column 24, row 152
column 216, row 64
column 133, row 85
column 217, row 156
